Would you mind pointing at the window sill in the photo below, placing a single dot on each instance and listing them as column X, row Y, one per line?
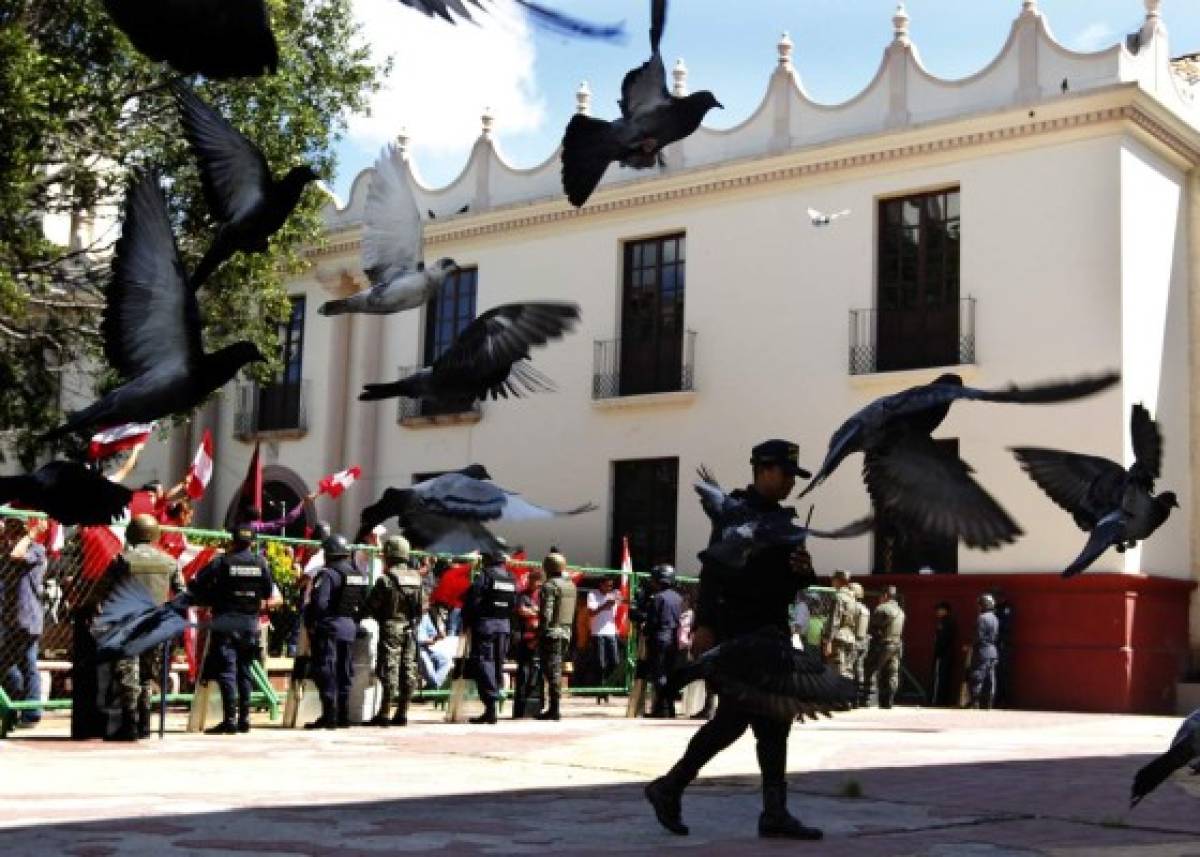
column 465, row 418
column 900, row 379
column 273, row 435
column 676, row 398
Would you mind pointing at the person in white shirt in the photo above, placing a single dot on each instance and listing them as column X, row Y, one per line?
column 606, row 650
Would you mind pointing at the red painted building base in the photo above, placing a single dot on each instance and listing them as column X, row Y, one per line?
column 1100, row 642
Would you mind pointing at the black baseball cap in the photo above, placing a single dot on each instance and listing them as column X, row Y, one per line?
column 781, row 452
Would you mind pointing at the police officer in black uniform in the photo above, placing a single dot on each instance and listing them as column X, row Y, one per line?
column 732, row 603
column 487, row 611
column 237, row 586
column 339, row 593
column 661, row 627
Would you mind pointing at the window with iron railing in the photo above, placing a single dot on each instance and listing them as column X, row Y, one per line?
column 278, row 408
column 609, row 371
column 649, row 355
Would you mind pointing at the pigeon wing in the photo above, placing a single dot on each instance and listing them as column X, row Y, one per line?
column 846, row 440
column 920, row 486
column 712, row 497
column 460, row 496
column 1147, row 445
column 450, row 536
column 392, row 228
column 78, row 495
column 1087, row 486
column 644, row 88
column 1048, row 392
column 151, row 319
column 394, row 503
column 1156, row 772
column 233, row 172
column 517, row 508
column 1108, row 531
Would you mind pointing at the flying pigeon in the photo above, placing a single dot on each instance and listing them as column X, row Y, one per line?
column 819, row 219
column 220, row 39
column 391, row 242
column 1116, row 506
column 738, row 531
column 151, row 326
column 651, row 119
column 446, row 514
column 1185, row 750
column 766, row 675
column 69, row 492
column 912, row 480
column 539, row 14
column 248, row 203
column 489, row 358
column 131, row 622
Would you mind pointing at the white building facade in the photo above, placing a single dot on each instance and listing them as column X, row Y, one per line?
column 1038, row 219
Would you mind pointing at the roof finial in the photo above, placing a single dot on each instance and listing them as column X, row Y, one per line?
column 488, row 120
column 583, row 99
column 1153, row 10
column 900, row 24
column 1029, row 7
column 784, row 46
column 680, row 75
column 402, row 139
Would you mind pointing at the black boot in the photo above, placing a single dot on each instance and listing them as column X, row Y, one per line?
column 243, row 722
column 327, row 720
column 127, row 731
column 667, row 800
column 225, row 727
column 401, row 716
column 551, row 713
column 488, row 716
column 776, row 822
column 143, row 729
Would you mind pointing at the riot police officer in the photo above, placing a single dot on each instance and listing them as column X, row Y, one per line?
column 159, row 574
column 339, row 592
column 661, row 628
column 397, row 602
column 487, row 611
column 237, row 586
column 887, row 642
column 556, row 618
column 981, row 679
column 733, row 602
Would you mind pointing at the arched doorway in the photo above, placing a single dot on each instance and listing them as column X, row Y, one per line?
column 282, row 490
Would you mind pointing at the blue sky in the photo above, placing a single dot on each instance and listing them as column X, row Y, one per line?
column 445, row 75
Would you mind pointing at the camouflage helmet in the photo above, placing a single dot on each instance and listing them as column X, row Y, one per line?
column 857, row 590
column 554, row 563
column 396, row 548
column 987, row 602
column 143, row 529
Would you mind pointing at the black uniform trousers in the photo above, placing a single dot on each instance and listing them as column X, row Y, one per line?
column 333, row 672
column 727, row 725
column 527, row 696
column 88, row 718
column 941, row 693
column 489, row 650
column 661, row 652
column 230, row 657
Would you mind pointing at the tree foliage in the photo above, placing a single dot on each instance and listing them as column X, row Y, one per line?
column 79, row 108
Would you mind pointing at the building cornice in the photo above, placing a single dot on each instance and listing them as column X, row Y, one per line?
column 1098, row 111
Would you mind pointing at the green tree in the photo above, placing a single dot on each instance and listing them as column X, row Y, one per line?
column 79, row 108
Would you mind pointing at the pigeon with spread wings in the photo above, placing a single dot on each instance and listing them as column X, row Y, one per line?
column 69, row 492
column 392, row 247
column 539, row 14
column 489, row 358
column 1185, row 750
column 916, row 483
column 446, row 514
column 220, row 39
column 818, row 218
column 651, row 119
column 738, row 531
column 246, row 200
column 151, row 326
column 1117, row 507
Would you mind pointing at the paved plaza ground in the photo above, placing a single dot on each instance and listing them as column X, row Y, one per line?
column 932, row 782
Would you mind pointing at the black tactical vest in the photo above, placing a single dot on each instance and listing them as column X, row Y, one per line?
column 243, row 583
column 352, row 594
column 499, row 595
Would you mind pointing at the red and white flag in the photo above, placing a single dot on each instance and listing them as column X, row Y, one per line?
column 336, row 483
column 118, row 439
column 622, row 614
column 201, row 471
column 99, row 546
column 52, row 538
column 191, row 559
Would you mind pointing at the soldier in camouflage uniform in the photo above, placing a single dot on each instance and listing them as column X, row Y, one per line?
column 862, row 625
column 838, row 635
column 159, row 573
column 556, row 617
column 887, row 647
column 397, row 603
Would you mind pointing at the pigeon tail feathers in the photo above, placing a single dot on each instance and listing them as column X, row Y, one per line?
column 589, row 146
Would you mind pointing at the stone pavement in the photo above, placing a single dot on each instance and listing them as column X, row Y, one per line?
column 932, row 782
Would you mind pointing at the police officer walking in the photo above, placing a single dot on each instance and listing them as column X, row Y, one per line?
column 556, row 618
column 487, row 611
column 862, row 631
column 887, row 648
column 661, row 627
column 339, row 592
column 981, row 679
column 735, row 602
column 159, row 574
column 237, row 586
column 397, row 603
column 839, row 636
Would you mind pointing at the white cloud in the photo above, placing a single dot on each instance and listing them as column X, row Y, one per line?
column 1095, row 36
column 443, row 76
